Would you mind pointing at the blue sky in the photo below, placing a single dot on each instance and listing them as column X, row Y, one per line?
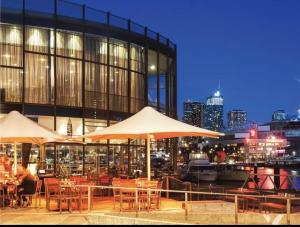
column 252, row 47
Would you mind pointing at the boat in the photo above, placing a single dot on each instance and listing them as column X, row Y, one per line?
column 231, row 173
column 199, row 170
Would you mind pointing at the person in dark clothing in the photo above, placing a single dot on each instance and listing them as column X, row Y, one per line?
column 26, row 187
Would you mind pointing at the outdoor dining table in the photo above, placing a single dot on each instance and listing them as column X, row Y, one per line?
column 9, row 187
column 142, row 193
column 68, row 192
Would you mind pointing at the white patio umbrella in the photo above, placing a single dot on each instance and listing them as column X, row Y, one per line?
column 16, row 128
column 150, row 124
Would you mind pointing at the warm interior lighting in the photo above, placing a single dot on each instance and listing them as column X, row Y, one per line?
column 74, row 43
column 14, row 36
column 152, row 67
column 36, row 38
column 6, row 55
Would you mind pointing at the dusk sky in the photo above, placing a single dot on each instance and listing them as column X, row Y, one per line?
column 252, row 47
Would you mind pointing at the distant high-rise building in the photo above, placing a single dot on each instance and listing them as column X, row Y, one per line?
column 214, row 112
column 194, row 113
column 236, row 118
column 279, row 115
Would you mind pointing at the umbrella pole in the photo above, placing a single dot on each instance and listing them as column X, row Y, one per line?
column 15, row 158
column 148, row 158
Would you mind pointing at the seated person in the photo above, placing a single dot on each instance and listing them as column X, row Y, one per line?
column 26, row 186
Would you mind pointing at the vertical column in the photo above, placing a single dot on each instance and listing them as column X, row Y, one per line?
column 175, row 83
column 55, row 82
column 175, row 142
column 146, row 67
column 129, row 89
column 108, row 80
column 83, row 86
column 167, row 84
column 54, row 62
column 276, row 176
column 157, row 73
column 108, row 61
column 129, row 66
column 146, row 82
column 167, row 101
column 23, row 56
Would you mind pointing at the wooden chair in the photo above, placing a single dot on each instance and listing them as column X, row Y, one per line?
column 53, row 192
column 116, row 191
column 84, row 192
column 127, row 195
column 155, row 198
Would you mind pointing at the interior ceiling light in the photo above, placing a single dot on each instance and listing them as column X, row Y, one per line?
column 152, row 67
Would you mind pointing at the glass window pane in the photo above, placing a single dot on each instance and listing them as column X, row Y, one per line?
column 96, row 49
column 37, row 39
column 69, row 160
column 37, row 79
column 137, row 58
column 69, row 80
column 137, row 92
column 118, row 160
column 162, row 64
column 152, row 90
column 95, row 86
column 96, row 161
column 11, row 84
column 69, row 44
column 152, row 62
column 118, row 97
column 118, row 53
column 11, row 51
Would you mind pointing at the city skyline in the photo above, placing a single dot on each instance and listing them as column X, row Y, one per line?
column 251, row 47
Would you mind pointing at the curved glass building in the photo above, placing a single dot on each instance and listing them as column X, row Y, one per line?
column 75, row 69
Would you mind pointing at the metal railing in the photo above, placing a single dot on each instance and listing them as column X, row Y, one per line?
column 280, row 179
column 67, row 9
column 285, row 203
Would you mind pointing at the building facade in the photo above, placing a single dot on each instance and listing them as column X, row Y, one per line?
column 194, row 113
column 279, row 115
column 214, row 112
column 66, row 64
column 236, row 118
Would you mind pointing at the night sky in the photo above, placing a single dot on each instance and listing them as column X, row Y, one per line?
column 252, row 47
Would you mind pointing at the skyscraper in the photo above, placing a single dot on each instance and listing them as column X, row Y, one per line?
column 194, row 113
column 214, row 112
column 236, row 118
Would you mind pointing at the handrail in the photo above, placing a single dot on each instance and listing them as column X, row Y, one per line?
column 236, row 197
column 191, row 192
column 162, row 41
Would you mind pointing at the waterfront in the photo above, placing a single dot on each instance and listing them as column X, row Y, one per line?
column 294, row 173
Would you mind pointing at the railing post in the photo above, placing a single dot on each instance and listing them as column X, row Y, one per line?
column 288, row 211
column 168, row 187
column 236, row 210
column 137, row 206
column 89, row 199
column 185, row 205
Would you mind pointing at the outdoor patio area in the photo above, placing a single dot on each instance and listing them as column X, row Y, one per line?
column 103, row 212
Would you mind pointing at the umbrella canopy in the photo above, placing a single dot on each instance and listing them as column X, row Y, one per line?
column 150, row 124
column 16, row 128
column 147, row 122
